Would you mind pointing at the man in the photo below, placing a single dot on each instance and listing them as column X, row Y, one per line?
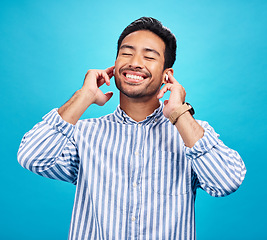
column 137, row 169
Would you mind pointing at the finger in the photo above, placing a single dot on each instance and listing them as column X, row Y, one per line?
column 109, row 71
column 100, row 82
column 104, row 75
column 171, row 78
column 164, row 90
column 110, row 75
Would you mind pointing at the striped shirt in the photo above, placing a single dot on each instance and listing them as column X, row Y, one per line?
column 134, row 180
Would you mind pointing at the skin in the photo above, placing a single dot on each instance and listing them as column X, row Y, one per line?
column 141, row 54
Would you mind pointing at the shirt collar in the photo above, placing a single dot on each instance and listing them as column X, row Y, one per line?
column 122, row 117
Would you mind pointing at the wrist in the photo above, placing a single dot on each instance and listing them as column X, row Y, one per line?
column 87, row 94
column 179, row 111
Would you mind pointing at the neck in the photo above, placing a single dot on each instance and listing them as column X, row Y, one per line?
column 138, row 108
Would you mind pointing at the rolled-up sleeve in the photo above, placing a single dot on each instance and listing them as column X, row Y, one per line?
column 219, row 169
column 49, row 149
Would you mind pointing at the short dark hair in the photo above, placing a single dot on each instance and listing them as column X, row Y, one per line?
column 155, row 26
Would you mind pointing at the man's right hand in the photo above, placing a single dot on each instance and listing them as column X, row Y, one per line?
column 95, row 79
column 90, row 93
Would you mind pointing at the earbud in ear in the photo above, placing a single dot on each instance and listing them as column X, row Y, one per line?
column 113, row 71
column 166, row 77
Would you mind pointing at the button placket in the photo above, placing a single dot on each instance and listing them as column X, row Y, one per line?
column 136, row 175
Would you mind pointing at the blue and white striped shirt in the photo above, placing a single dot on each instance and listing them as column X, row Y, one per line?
column 134, row 180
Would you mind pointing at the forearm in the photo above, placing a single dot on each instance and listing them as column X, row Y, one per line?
column 189, row 129
column 219, row 169
column 73, row 109
column 49, row 150
column 90, row 93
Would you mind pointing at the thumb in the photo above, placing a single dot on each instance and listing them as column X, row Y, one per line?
column 108, row 96
column 103, row 98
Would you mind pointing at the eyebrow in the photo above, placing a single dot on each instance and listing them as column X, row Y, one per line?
column 127, row 46
column 146, row 49
column 152, row 50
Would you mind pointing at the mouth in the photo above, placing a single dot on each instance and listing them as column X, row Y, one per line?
column 135, row 77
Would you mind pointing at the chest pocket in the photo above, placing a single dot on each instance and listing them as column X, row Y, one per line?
column 171, row 173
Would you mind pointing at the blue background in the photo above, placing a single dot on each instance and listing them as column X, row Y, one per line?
column 46, row 47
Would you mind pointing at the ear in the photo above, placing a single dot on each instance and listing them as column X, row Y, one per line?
column 166, row 71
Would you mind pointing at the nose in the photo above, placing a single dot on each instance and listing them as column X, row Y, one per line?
column 136, row 62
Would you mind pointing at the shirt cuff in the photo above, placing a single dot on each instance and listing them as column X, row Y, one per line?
column 54, row 119
column 204, row 144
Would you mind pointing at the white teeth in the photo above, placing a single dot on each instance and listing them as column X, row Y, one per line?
column 134, row 77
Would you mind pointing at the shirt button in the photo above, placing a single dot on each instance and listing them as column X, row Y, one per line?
column 136, row 153
column 134, row 185
column 139, row 124
column 133, row 219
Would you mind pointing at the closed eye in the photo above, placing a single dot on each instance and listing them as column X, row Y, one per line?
column 150, row 58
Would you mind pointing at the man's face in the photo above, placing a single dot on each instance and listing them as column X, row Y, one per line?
column 139, row 65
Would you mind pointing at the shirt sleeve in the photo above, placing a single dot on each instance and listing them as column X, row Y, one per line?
column 49, row 149
column 219, row 169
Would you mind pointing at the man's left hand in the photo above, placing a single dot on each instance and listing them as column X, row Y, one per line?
column 177, row 96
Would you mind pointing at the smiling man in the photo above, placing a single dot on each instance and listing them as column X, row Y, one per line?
column 136, row 170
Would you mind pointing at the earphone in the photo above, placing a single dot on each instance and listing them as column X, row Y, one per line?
column 113, row 71
column 166, row 77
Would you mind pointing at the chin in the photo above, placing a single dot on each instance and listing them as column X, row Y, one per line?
column 135, row 90
column 132, row 94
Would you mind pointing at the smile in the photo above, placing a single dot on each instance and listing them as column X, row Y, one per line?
column 135, row 77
